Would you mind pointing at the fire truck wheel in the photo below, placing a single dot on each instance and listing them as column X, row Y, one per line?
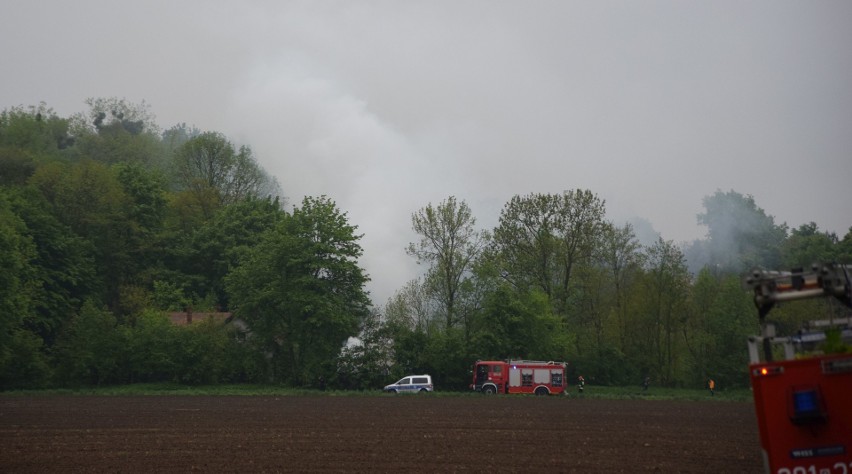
column 541, row 391
column 489, row 390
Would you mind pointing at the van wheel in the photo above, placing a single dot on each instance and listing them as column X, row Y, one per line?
column 394, row 392
column 541, row 391
column 423, row 390
column 489, row 390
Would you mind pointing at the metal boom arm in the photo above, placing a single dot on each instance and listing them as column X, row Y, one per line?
column 824, row 280
column 770, row 287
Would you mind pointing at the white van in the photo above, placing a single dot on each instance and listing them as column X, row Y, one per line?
column 411, row 384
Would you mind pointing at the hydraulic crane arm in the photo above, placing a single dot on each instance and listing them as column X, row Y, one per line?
column 824, row 280
column 771, row 287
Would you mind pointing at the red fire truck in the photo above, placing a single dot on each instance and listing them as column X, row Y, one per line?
column 519, row 376
column 803, row 398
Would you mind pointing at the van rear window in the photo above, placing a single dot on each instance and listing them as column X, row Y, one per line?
column 420, row 380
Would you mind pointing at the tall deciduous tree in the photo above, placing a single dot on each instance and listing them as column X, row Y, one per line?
column 807, row 245
column 450, row 243
column 209, row 164
column 90, row 350
column 301, row 291
column 620, row 253
column 543, row 237
column 88, row 197
column 116, row 131
column 740, row 235
column 526, row 240
column 666, row 289
column 580, row 226
column 37, row 130
column 366, row 365
column 844, row 248
column 220, row 243
column 410, row 308
column 16, row 252
column 719, row 318
column 63, row 266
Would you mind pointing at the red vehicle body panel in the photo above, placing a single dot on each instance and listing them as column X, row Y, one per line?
column 804, row 414
column 519, row 376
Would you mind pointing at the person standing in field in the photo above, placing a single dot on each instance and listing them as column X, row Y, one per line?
column 646, row 383
column 711, row 384
column 581, row 384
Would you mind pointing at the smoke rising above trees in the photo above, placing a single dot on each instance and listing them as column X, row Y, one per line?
column 559, row 281
column 740, row 235
column 108, row 224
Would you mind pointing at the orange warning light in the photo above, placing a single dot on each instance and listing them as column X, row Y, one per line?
column 768, row 370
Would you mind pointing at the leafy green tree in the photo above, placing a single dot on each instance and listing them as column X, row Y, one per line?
column 665, row 287
column 807, row 245
column 144, row 218
column 301, row 291
column 177, row 135
column 409, row 350
column 153, row 348
column 200, row 258
column 450, row 243
column 88, row 197
column 620, row 254
column 593, row 299
column 365, row 364
column 733, row 319
column 517, row 324
column 116, row 131
column 146, row 191
column 720, row 317
column 844, row 248
column 543, row 237
column 602, row 298
column 447, row 359
column 411, row 307
column 201, row 355
column 698, row 324
column 36, row 130
column 580, row 226
column 63, row 267
column 23, row 363
column 16, row 287
column 16, row 166
column 219, row 244
column 29, row 137
column 527, row 241
column 90, row 351
column 740, row 235
column 107, row 114
column 209, row 163
column 410, row 322
column 188, row 210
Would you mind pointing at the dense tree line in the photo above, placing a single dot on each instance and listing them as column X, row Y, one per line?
column 556, row 281
column 108, row 223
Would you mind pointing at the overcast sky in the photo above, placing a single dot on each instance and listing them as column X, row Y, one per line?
column 387, row 106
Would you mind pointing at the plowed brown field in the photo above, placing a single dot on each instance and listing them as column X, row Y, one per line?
column 403, row 433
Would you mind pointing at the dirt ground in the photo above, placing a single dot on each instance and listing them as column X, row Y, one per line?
column 381, row 433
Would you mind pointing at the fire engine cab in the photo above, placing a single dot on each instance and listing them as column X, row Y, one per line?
column 519, row 376
column 802, row 385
